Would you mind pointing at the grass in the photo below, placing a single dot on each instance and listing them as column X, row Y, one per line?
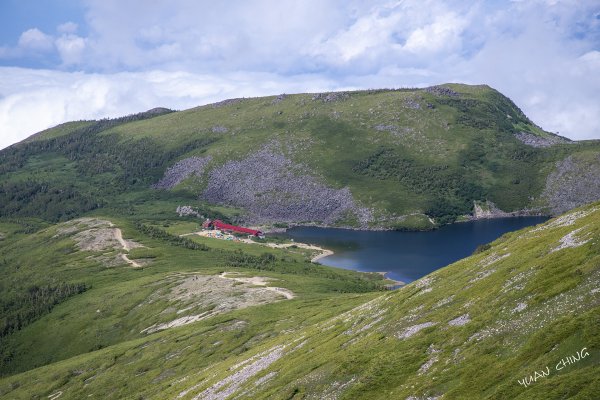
column 454, row 151
column 342, row 336
column 348, row 344
column 120, row 293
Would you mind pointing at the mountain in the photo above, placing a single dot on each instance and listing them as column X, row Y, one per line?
column 115, row 309
column 376, row 159
column 106, row 292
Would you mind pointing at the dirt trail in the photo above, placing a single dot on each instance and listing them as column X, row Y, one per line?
column 119, row 237
column 130, row 262
column 323, row 252
column 126, row 246
column 260, row 281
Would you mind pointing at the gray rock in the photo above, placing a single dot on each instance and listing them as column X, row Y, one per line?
column 331, row 97
column 184, row 211
column 227, row 102
column 175, row 174
column 279, row 98
column 441, row 91
column 219, row 129
column 387, row 128
column 573, row 183
column 272, row 188
column 537, row 141
column 412, row 104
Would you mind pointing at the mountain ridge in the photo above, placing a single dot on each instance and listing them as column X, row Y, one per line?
column 107, row 292
column 373, row 159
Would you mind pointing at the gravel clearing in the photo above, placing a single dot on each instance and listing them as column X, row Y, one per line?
column 204, row 296
column 100, row 236
column 260, row 281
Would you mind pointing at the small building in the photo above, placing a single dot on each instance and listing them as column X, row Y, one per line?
column 218, row 224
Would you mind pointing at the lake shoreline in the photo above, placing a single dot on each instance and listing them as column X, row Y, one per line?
column 403, row 257
column 467, row 218
column 396, row 284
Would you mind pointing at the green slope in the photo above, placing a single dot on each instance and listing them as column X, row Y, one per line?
column 66, row 289
column 472, row 330
column 374, row 159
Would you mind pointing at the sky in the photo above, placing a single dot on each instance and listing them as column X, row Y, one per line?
column 63, row 60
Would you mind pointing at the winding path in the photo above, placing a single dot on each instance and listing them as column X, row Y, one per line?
column 119, row 237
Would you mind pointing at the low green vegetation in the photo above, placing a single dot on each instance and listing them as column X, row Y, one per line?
column 480, row 328
column 28, row 304
column 58, row 301
column 399, row 152
column 106, row 293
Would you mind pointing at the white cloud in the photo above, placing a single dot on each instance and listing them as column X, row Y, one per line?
column 67, row 27
column 34, row 39
column 544, row 54
column 442, row 34
column 70, row 48
column 33, row 100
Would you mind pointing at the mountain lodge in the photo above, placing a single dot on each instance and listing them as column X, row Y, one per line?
column 218, row 224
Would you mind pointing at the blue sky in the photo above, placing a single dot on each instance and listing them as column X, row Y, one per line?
column 65, row 60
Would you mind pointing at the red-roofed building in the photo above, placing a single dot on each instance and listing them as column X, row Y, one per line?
column 218, row 224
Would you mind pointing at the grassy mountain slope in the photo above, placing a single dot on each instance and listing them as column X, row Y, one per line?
column 72, row 288
column 470, row 330
column 374, row 159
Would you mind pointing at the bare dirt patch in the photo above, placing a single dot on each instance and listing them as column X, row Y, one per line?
column 101, row 236
column 199, row 297
column 259, row 281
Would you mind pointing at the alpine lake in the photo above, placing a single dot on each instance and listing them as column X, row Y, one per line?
column 405, row 256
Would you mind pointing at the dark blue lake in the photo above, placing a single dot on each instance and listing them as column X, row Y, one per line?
column 406, row 255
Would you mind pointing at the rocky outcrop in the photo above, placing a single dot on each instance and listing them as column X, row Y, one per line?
column 441, row 91
column 279, row 98
column 226, row 102
column 489, row 210
column 331, row 97
column 272, row 188
column 183, row 169
column 574, row 182
column 219, row 129
column 538, row 141
column 187, row 211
